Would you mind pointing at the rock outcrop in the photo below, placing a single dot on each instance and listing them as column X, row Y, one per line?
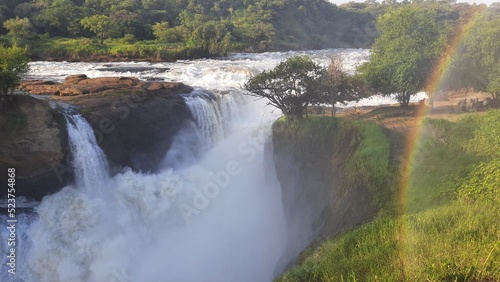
column 134, row 122
column 80, row 84
column 32, row 139
column 317, row 200
column 135, row 129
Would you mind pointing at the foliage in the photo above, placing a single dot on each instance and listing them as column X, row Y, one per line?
column 163, row 32
column 486, row 141
column 98, row 24
column 482, row 183
column 477, row 64
column 13, row 64
column 361, row 146
column 17, row 27
column 211, row 38
column 340, row 87
column 403, row 56
column 255, row 25
column 290, row 86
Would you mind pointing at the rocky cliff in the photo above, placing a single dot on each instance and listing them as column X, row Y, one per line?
column 134, row 123
column 32, row 139
column 327, row 176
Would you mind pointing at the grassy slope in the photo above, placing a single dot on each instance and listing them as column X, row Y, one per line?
column 449, row 230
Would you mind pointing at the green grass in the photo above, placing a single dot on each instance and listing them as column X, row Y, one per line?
column 79, row 49
column 450, row 229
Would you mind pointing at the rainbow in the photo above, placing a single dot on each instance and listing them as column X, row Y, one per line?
column 433, row 85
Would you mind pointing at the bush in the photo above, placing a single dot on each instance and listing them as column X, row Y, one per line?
column 486, row 141
column 129, row 39
column 482, row 183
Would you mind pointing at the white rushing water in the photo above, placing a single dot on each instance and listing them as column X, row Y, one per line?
column 214, row 216
column 89, row 162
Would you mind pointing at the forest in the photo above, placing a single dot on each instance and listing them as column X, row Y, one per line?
column 172, row 29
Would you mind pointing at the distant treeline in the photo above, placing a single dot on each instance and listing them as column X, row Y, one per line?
column 169, row 29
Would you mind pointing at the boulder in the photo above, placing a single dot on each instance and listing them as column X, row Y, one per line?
column 74, row 79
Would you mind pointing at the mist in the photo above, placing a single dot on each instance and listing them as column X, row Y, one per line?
column 217, row 217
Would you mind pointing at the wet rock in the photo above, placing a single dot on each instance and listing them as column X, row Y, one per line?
column 33, row 141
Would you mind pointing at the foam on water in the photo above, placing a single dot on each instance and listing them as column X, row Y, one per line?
column 219, row 218
column 89, row 162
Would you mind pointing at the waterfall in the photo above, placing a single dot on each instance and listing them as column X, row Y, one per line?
column 215, row 116
column 211, row 212
column 208, row 119
column 89, row 162
column 214, row 217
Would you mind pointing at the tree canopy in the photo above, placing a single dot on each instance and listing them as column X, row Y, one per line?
column 98, row 24
column 339, row 87
column 477, row 62
column 250, row 25
column 13, row 63
column 404, row 55
column 290, row 86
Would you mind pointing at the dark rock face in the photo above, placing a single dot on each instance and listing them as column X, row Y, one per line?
column 135, row 130
column 134, row 122
column 316, row 205
column 34, row 147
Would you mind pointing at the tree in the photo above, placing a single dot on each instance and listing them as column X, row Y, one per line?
column 19, row 28
column 291, row 86
column 163, row 32
column 405, row 53
column 338, row 86
column 477, row 64
column 13, row 64
column 101, row 25
column 211, row 39
column 61, row 18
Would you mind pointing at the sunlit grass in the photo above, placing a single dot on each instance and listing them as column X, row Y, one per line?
column 449, row 230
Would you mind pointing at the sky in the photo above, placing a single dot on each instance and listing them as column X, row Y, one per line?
column 338, row 2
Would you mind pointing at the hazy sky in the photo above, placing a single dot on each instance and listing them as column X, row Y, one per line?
column 338, row 2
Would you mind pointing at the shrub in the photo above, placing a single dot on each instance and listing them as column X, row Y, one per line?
column 482, row 183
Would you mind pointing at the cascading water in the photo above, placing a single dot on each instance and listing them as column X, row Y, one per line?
column 213, row 215
column 218, row 219
column 89, row 162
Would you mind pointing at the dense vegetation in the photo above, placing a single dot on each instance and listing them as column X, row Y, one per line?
column 446, row 227
column 170, row 29
column 188, row 27
column 410, row 42
column 477, row 61
column 421, row 44
column 13, row 64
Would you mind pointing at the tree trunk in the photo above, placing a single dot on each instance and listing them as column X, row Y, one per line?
column 405, row 99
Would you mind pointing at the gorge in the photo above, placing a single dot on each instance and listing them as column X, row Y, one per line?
column 188, row 186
